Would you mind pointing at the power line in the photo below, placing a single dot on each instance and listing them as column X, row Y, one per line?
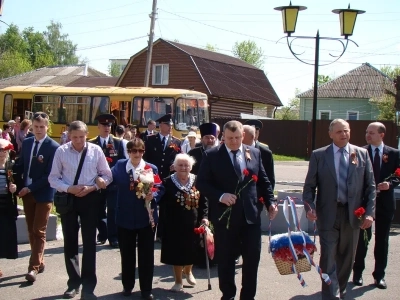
column 108, row 44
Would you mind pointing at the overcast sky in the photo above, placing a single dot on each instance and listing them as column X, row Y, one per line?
column 118, row 29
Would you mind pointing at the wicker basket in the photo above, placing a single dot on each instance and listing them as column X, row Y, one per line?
column 285, row 267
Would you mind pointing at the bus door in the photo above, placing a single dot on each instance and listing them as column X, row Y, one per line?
column 20, row 106
column 122, row 111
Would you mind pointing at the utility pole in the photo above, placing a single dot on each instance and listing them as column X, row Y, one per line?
column 150, row 46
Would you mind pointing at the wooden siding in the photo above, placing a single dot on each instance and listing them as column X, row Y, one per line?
column 229, row 109
column 339, row 108
column 182, row 71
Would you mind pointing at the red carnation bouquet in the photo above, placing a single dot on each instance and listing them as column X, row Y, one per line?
column 228, row 211
column 209, row 238
column 359, row 213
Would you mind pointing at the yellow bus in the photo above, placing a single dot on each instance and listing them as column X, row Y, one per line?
column 130, row 105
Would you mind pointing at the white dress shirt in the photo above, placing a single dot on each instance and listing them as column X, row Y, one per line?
column 130, row 167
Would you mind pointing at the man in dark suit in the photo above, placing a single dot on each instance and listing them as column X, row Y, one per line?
column 151, row 125
column 208, row 132
column 266, row 154
column 33, row 168
column 162, row 148
column 385, row 161
column 342, row 174
column 225, row 179
column 258, row 126
column 113, row 149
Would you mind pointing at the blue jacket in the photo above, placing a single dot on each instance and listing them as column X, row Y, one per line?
column 131, row 213
column 40, row 168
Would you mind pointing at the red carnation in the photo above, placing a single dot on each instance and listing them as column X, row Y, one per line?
column 109, row 159
column 9, row 147
column 254, row 177
column 397, row 172
column 359, row 212
column 246, row 172
column 157, row 179
column 261, row 200
column 196, row 231
column 146, row 167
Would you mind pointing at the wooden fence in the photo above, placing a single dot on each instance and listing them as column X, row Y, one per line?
column 293, row 138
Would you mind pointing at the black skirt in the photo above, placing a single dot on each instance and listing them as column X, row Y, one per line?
column 8, row 228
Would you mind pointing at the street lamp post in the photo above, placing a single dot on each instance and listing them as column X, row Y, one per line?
column 347, row 21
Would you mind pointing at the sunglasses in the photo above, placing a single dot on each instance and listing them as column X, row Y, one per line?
column 134, row 151
column 43, row 115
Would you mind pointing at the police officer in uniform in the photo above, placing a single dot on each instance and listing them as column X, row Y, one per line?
column 209, row 135
column 258, row 125
column 113, row 150
column 160, row 150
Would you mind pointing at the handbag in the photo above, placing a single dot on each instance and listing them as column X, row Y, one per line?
column 64, row 202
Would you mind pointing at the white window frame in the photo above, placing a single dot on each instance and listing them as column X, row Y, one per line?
column 325, row 111
column 353, row 112
column 164, row 81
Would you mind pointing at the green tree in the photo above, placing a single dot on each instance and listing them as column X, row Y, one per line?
column 38, row 50
column 290, row 111
column 114, row 69
column 323, row 79
column 210, row 47
column 13, row 63
column 63, row 50
column 386, row 103
column 249, row 52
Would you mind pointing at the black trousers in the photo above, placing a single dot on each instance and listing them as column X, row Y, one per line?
column 247, row 238
column 145, row 245
column 85, row 208
column 102, row 217
column 382, row 229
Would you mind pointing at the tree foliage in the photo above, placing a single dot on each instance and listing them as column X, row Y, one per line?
column 386, row 103
column 27, row 50
column 249, row 52
column 290, row 111
column 212, row 48
column 323, row 79
column 114, row 69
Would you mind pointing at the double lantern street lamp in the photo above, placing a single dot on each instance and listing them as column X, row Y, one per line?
column 347, row 21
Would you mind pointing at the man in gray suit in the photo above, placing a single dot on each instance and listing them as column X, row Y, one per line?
column 342, row 174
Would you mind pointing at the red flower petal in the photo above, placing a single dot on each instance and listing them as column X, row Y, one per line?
column 146, row 167
column 254, row 177
column 397, row 172
column 246, row 172
column 157, row 179
column 261, row 200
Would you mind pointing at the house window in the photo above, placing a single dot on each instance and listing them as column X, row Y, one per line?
column 160, row 74
column 324, row 114
column 352, row 115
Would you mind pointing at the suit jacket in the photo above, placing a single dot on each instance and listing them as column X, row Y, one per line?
column 114, row 148
column 197, row 154
column 162, row 158
column 40, row 168
column 267, row 161
column 217, row 176
column 385, row 203
column 143, row 135
column 321, row 176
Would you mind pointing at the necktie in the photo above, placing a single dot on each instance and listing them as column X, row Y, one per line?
column 377, row 165
column 34, row 154
column 342, row 180
column 236, row 165
column 104, row 144
column 163, row 143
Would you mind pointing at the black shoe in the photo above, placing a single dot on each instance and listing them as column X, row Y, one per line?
column 70, row 293
column 147, row 296
column 126, row 293
column 88, row 296
column 381, row 284
column 358, row 280
column 100, row 242
column 31, row 276
column 114, row 244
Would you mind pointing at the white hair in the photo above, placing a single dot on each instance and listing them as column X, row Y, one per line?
column 185, row 157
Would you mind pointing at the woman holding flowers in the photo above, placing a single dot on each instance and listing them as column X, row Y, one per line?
column 139, row 189
column 8, row 204
column 185, row 209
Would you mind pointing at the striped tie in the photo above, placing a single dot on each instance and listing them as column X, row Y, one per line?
column 342, row 180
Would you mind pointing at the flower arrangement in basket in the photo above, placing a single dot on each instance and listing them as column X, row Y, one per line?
column 293, row 251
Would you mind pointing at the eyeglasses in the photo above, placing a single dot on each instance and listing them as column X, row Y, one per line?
column 134, row 151
column 43, row 115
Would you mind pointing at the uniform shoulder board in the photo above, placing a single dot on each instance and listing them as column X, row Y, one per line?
column 153, row 134
column 266, row 145
column 92, row 139
column 116, row 138
column 176, row 138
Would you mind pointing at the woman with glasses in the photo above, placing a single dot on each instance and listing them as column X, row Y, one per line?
column 134, row 219
column 8, row 205
column 186, row 209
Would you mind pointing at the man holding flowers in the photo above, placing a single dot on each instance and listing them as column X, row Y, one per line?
column 233, row 178
column 342, row 174
column 385, row 161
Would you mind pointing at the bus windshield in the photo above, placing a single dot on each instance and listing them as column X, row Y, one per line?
column 190, row 113
column 153, row 108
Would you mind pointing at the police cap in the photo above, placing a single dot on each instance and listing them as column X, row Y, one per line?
column 256, row 123
column 106, row 119
column 166, row 119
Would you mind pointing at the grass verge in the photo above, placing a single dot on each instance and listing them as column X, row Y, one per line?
column 278, row 157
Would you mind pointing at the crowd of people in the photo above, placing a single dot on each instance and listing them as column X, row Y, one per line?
column 130, row 188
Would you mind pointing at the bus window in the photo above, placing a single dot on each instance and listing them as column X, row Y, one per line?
column 7, row 108
column 49, row 104
column 76, row 108
column 187, row 114
column 121, row 110
column 153, row 108
column 100, row 105
column 203, row 111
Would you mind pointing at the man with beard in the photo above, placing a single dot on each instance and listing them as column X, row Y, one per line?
column 208, row 133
